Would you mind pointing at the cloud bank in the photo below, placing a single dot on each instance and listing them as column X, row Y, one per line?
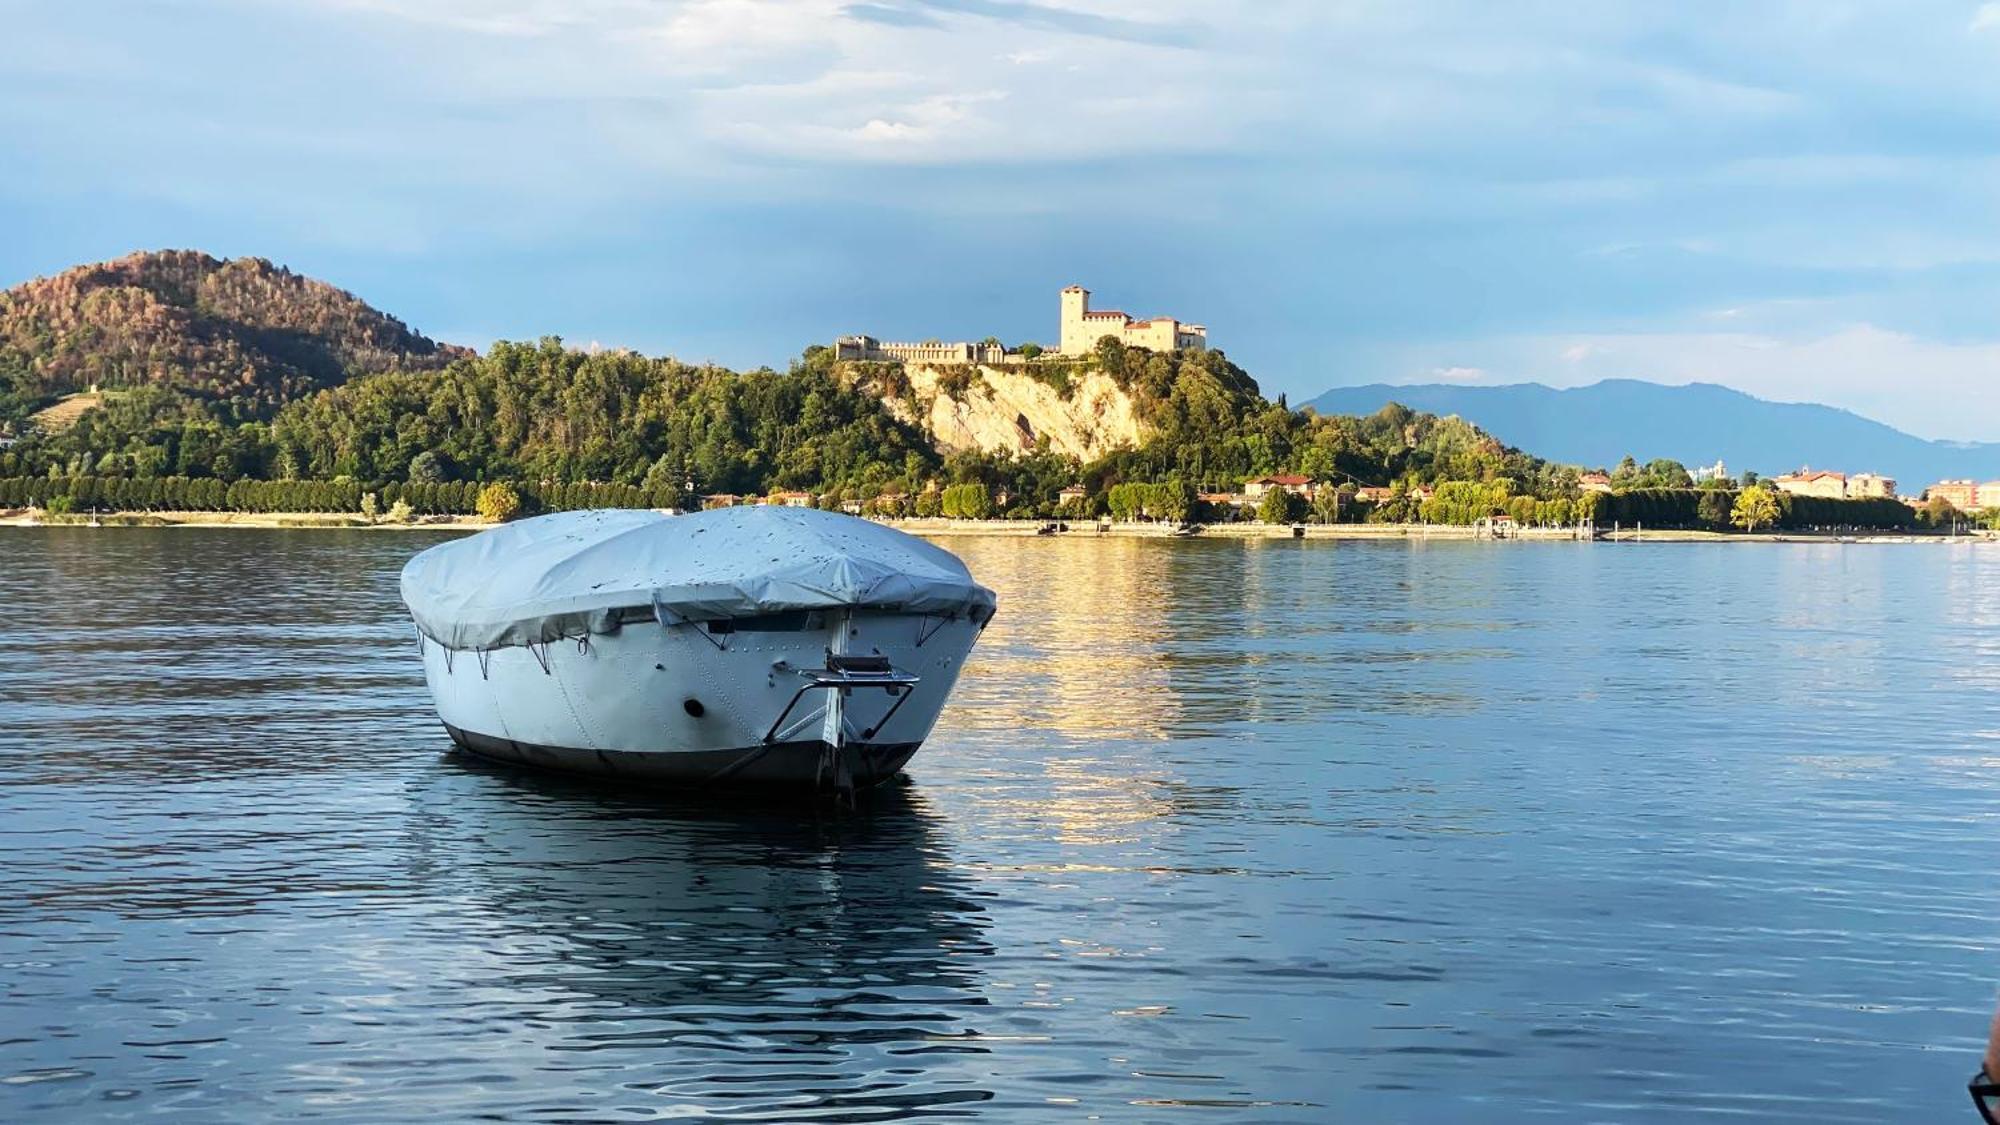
column 1796, row 198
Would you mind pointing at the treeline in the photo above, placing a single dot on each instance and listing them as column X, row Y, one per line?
column 1714, row 508
column 207, row 494
column 542, row 411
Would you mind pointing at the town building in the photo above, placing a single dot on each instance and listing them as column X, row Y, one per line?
column 1083, row 327
column 792, row 499
column 1255, row 490
column 869, row 348
column 1374, row 494
column 1223, row 499
column 1717, row 471
column 1813, row 482
column 1074, row 494
column 1960, row 494
column 1987, row 495
column 721, row 500
column 1594, row 482
column 1870, row 486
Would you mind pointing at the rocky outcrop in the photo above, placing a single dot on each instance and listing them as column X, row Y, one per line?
column 1010, row 408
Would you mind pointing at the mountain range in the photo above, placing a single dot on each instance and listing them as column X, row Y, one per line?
column 1695, row 424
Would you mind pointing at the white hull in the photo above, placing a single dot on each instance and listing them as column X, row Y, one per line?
column 696, row 707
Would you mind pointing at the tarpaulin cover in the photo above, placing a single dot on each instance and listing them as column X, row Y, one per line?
column 566, row 575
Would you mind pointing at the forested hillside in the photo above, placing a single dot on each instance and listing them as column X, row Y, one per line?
column 240, row 337
column 546, row 413
column 228, row 374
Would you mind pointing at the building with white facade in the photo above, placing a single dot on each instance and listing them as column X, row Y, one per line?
column 1083, row 327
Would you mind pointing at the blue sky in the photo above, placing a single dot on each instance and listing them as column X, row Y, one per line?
column 1798, row 199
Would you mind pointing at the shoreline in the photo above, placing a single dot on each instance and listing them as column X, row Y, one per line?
column 1411, row 532
column 1024, row 529
column 287, row 521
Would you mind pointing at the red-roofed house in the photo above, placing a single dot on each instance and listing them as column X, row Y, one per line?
column 1254, row 490
column 1814, row 482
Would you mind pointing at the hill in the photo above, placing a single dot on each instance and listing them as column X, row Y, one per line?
column 241, row 331
column 1598, row 424
column 179, row 366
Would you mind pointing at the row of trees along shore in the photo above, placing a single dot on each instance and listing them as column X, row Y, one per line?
column 556, row 428
column 1454, row 502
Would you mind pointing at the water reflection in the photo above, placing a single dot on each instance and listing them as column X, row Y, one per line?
column 1312, row 831
column 788, row 961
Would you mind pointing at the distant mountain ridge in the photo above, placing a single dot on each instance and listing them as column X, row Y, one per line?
column 1596, row 425
column 240, row 329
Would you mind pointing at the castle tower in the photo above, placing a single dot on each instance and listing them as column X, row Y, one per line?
column 1075, row 304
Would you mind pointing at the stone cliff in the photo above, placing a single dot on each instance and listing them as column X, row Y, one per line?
column 1008, row 408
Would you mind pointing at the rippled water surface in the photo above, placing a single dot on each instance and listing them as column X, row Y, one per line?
column 1262, row 831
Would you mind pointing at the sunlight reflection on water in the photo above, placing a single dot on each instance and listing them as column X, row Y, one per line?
column 1296, row 831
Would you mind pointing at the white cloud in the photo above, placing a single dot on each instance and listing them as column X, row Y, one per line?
column 1458, row 374
column 1986, row 18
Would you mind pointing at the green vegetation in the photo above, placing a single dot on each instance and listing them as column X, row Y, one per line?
column 966, row 501
column 232, row 338
column 1280, row 506
column 182, row 494
column 1750, row 509
column 240, row 386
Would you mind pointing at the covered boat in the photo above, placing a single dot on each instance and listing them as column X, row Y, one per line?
column 739, row 647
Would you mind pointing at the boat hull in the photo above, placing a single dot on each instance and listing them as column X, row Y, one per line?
column 690, row 707
column 805, row 767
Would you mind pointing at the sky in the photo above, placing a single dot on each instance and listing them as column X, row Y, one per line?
column 1800, row 200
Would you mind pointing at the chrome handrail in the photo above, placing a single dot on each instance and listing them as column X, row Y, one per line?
column 898, row 684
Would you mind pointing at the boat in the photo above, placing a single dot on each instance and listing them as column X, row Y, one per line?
column 739, row 648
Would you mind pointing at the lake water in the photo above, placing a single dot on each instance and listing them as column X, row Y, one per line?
column 1233, row 831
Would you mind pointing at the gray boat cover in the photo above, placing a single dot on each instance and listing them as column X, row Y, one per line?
column 568, row 574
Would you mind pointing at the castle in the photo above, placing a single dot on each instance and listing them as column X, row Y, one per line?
column 1082, row 327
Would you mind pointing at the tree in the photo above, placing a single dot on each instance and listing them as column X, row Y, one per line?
column 1714, row 506
column 663, row 483
column 499, row 502
column 426, row 468
column 970, row 501
column 1127, row 501
column 1029, row 349
column 399, row 512
column 1279, row 506
column 1174, row 500
column 1940, row 512
column 371, row 507
column 1326, row 504
column 1754, row 506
